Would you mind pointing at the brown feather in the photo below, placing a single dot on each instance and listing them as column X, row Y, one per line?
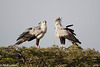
column 23, row 35
column 72, row 38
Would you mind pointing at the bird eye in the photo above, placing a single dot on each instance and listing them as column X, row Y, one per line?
column 43, row 22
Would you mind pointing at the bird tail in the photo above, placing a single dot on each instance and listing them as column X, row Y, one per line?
column 79, row 42
column 69, row 25
column 20, row 41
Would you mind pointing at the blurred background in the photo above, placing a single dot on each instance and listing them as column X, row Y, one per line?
column 18, row 15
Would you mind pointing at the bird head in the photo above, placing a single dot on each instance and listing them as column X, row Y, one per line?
column 58, row 19
column 44, row 26
column 44, row 22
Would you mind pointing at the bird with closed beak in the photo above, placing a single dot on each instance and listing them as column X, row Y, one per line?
column 64, row 32
column 33, row 33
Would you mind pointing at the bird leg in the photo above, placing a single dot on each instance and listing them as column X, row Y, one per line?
column 37, row 42
column 62, row 40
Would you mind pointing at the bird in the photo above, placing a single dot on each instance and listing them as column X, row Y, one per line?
column 64, row 32
column 35, row 32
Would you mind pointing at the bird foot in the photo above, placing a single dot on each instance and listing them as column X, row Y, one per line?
column 63, row 46
column 37, row 46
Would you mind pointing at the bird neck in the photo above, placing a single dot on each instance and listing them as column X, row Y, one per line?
column 58, row 23
column 44, row 27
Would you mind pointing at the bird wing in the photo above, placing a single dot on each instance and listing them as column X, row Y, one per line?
column 24, row 34
column 30, row 33
column 29, row 28
column 37, row 30
column 67, row 34
column 61, row 31
column 72, row 38
column 69, row 29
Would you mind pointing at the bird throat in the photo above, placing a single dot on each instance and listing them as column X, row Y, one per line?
column 43, row 27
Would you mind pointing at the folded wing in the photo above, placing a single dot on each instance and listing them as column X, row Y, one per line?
column 29, row 34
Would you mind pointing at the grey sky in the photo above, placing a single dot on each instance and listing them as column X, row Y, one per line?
column 17, row 15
